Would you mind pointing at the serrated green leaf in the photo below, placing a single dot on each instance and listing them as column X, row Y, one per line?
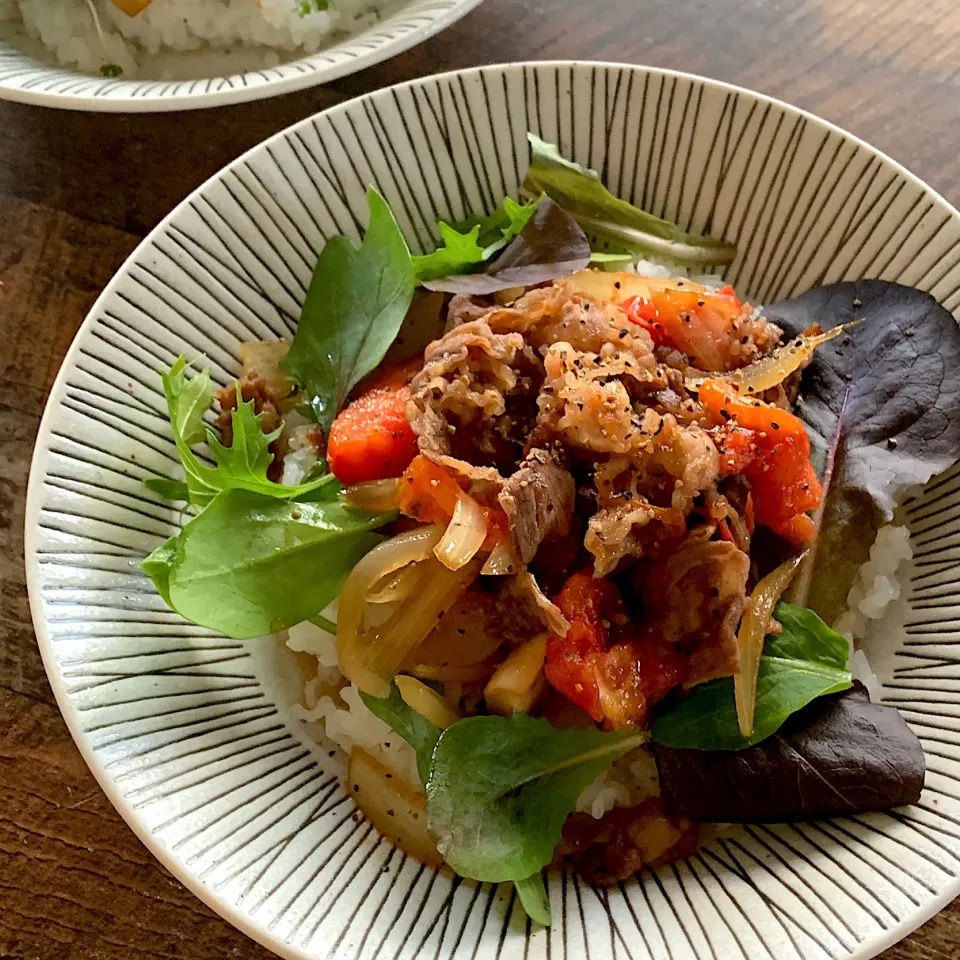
column 471, row 243
column 247, row 458
column 241, row 466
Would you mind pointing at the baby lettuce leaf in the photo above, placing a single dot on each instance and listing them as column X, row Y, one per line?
column 471, row 243
column 251, row 564
column 354, row 307
column 500, row 789
column 840, row 755
column 807, row 660
column 241, row 466
column 550, row 246
column 582, row 194
column 248, row 455
column 419, row 732
column 882, row 407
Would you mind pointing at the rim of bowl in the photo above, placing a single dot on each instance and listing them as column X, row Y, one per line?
column 867, row 949
column 294, row 75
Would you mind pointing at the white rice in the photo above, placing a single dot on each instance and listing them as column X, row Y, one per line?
column 876, row 588
column 345, row 717
column 664, row 269
column 630, row 781
column 91, row 35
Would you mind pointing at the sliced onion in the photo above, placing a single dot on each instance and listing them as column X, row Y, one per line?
column 381, row 562
column 455, row 672
column 772, row 370
column 376, row 495
column 753, row 630
column 262, row 358
column 395, row 554
column 392, row 805
column 397, row 586
column 427, row 702
column 464, row 535
column 461, row 639
column 372, row 658
column 519, row 681
column 501, row 561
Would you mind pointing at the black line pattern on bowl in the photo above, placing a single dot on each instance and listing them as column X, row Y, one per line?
column 216, row 768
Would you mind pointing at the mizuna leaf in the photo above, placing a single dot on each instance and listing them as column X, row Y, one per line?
column 467, row 246
column 550, row 246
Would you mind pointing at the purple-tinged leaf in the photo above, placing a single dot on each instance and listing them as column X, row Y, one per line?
column 885, row 399
column 841, row 754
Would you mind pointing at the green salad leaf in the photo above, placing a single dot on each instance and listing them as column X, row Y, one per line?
column 459, row 253
column 600, row 256
column 248, row 456
column 807, row 660
column 503, row 224
column 241, row 466
column 582, row 194
column 501, row 788
column 473, row 242
column 158, row 565
column 251, row 564
column 454, row 781
column 533, row 897
column 167, row 488
column 353, row 310
column 551, row 245
column 419, row 732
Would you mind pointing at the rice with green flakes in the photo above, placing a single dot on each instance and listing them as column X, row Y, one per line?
column 95, row 36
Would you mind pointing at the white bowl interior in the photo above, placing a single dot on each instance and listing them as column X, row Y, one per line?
column 27, row 75
column 190, row 733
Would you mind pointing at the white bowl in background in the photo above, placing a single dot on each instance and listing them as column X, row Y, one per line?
column 33, row 79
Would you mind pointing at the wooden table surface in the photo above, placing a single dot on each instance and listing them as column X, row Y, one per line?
column 78, row 191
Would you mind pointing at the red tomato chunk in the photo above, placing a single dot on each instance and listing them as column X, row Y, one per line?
column 614, row 670
column 371, row 438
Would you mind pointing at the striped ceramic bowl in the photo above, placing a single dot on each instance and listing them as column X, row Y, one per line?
column 410, row 22
column 191, row 734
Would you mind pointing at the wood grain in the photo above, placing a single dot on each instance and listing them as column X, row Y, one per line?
column 77, row 191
